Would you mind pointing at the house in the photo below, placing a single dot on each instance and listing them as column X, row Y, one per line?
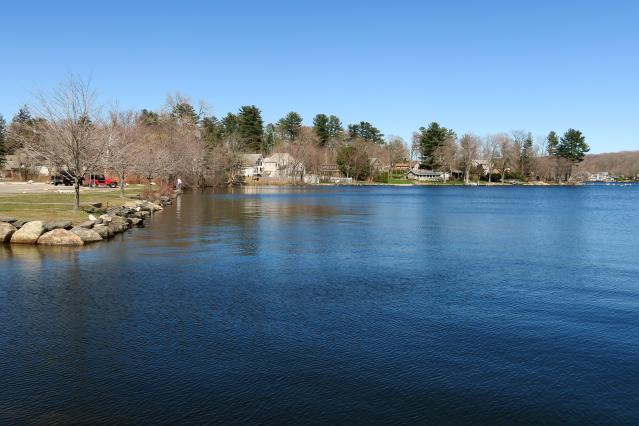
column 280, row 165
column 252, row 165
column 601, row 177
column 330, row 170
column 426, row 175
column 377, row 166
column 11, row 168
column 406, row 166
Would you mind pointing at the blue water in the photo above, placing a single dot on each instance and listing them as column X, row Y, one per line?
column 369, row 305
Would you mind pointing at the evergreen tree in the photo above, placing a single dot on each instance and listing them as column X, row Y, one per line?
column 3, row 140
column 229, row 125
column 526, row 154
column 290, row 125
column 573, row 146
column 366, row 131
column 320, row 127
column 431, row 139
column 269, row 142
column 149, row 118
column 353, row 162
column 211, row 130
column 335, row 128
column 185, row 113
column 250, row 128
column 552, row 142
column 21, row 130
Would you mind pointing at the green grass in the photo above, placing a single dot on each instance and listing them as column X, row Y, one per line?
column 59, row 206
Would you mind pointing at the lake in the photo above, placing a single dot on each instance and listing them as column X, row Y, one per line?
column 367, row 305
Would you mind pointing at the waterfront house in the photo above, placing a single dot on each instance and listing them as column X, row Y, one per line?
column 280, row 165
column 252, row 165
column 426, row 175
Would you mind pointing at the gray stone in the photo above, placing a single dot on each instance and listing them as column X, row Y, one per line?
column 87, row 224
column 60, row 237
column 7, row 219
column 136, row 221
column 61, row 224
column 141, row 214
column 96, row 205
column 103, row 231
column 87, row 235
column 6, row 231
column 28, row 233
column 105, row 218
column 19, row 223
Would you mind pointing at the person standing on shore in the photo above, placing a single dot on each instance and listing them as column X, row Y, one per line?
column 178, row 186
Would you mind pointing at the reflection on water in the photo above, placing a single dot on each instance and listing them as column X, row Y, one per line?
column 335, row 305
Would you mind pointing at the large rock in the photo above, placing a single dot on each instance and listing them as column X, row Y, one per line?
column 6, row 231
column 87, row 235
column 87, row 224
column 103, row 231
column 106, row 218
column 7, row 219
column 136, row 221
column 118, row 224
column 28, row 233
column 61, row 224
column 60, row 237
column 19, row 223
column 142, row 214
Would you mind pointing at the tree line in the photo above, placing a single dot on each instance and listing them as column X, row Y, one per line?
column 69, row 130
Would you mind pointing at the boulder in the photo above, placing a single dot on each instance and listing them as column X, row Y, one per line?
column 87, row 224
column 61, row 224
column 87, row 235
column 6, row 231
column 103, row 231
column 28, row 233
column 105, row 218
column 95, row 205
column 118, row 224
column 120, row 211
column 141, row 214
column 93, row 218
column 60, row 237
column 136, row 221
column 19, row 223
column 7, row 219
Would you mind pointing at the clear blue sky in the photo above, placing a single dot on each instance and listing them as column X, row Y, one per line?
column 480, row 66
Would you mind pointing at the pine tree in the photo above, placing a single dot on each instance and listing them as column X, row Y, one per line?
column 290, row 125
column 552, row 142
column 366, row 131
column 526, row 154
column 335, row 128
column 431, row 139
column 3, row 140
column 573, row 146
column 185, row 113
column 250, row 128
column 320, row 127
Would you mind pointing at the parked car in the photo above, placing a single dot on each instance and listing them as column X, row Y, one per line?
column 100, row 180
column 65, row 178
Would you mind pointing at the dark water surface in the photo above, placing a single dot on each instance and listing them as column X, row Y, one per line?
column 373, row 305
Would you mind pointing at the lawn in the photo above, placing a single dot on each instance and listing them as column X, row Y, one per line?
column 59, row 206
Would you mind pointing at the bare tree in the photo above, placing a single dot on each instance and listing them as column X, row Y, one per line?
column 124, row 135
column 72, row 134
column 469, row 148
column 490, row 149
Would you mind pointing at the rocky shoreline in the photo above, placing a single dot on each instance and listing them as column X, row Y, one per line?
column 102, row 224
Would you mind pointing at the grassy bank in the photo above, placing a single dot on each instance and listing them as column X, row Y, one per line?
column 59, row 206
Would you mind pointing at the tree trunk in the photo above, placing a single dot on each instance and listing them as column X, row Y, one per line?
column 77, row 194
column 121, row 176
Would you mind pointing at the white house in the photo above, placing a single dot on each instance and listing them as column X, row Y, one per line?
column 280, row 165
column 252, row 165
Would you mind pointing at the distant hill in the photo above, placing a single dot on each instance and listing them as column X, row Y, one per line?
column 624, row 163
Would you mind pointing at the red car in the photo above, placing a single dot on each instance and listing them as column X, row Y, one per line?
column 96, row 180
